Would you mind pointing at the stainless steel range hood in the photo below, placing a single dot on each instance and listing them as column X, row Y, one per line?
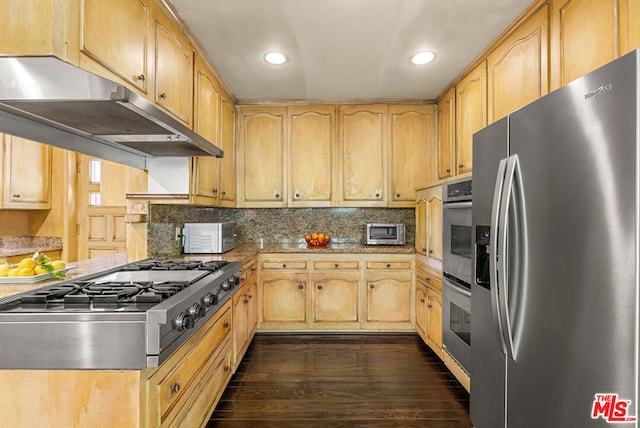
column 48, row 100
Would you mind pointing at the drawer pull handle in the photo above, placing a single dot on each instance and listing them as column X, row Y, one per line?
column 226, row 325
column 336, row 265
column 140, row 77
column 284, row 265
column 175, row 388
column 300, row 286
column 163, row 95
column 388, row 265
column 319, row 287
column 227, row 368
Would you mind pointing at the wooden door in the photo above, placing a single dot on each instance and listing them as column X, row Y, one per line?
column 583, row 37
column 284, row 300
column 388, row 299
column 206, row 171
column 629, row 25
column 412, row 129
column 517, row 69
column 471, row 114
column 421, row 226
column 115, row 34
column 312, row 150
column 434, row 230
column 446, row 135
column 101, row 207
column 363, row 153
column 264, row 156
column 27, row 174
column 421, row 309
column 174, row 69
column 335, row 300
column 227, row 194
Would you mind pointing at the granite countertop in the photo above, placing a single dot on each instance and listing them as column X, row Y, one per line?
column 337, row 247
column 19, row 245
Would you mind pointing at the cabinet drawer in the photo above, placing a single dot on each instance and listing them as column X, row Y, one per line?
column 329, row 265
column 400, row 265
column 428, row 276
column 284, row 264
column 183, row 375
column 247, row 270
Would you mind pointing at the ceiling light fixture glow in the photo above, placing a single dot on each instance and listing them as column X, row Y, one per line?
column 422, row 58
column 275, row 58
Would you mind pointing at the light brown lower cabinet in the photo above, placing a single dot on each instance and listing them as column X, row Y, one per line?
column 336, row 292
column 245, row 312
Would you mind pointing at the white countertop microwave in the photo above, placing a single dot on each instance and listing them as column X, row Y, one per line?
column 208, row 238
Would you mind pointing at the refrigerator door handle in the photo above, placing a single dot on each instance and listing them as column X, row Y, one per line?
column 515, row 235
column 493, row 245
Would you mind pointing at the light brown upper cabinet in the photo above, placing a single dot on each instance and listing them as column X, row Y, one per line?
column 363, row 155
column 584, row 36
column 312, row 152
column 629, row 25
column 517, row 68
column 471, row 114
column 115, row 34
column 263, row 156
column 446, row 135
column 174, row 69
column 25, row 171
column 206, row 99
column 227, row 186
column 412, row 129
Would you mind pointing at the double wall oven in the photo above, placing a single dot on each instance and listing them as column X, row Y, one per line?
column 457, row 270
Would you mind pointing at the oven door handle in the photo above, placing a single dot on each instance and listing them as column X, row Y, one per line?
column 453, row 286
column 457, row 205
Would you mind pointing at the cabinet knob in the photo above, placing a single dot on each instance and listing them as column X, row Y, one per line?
column 371, row 286
column 430, row 251
column 224, row 193
column 429, row 306
column 426, row 278
column 424, row 250
column 277, row 195
column 175, row 388
column 284, row 265
column 319, row 287
column 422, row 300
column 140, row 77
column 246, row 300
column 448, row 170
column 163, row 95
column 300, row 286
column 388, row 265
column 250, row 296
column 226, row 325
column 397, row 195
column 460, row 166
column 215, row 190
column 296, row 195
column 16, row 195
column 377, row 195
column 227, row 368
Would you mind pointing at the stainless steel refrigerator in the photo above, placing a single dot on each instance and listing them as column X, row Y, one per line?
column 556, row 246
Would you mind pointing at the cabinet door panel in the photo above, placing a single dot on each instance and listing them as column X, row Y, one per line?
column 388, row 299
column 228, row 192
column 517, row 68
column 583, row 37
column 421, row 309
column 27, row 174
column 284, row 298
column 411, row 132
column 174, row 77
column 421, row 226
column 446, row 135
column 471, row 114
column 114, row 33
column 264, row 146
column 335, row 298
column 434, row 230
column 363, row 155
column 312, row 150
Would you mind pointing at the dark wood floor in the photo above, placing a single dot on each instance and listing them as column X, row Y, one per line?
column 342, row 381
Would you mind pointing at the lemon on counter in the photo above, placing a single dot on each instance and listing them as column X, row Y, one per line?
column 39, row 270
column 27, row 263
column 4, row 270
column 58, row 264
column 26, row 271
column 13, row 271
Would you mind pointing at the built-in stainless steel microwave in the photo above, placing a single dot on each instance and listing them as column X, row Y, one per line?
column 385, row 234
column 208, row 237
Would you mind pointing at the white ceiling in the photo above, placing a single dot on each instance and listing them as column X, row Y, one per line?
column 344, row 49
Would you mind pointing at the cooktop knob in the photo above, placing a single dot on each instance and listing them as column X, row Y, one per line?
column 197, row 310
column 226, row 285
column 210, row 299
column 184, row 321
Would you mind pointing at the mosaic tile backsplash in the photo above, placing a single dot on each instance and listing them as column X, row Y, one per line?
column 271, row 224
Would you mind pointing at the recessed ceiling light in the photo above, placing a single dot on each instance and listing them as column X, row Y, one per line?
column 422, row 58
column 276, row 58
